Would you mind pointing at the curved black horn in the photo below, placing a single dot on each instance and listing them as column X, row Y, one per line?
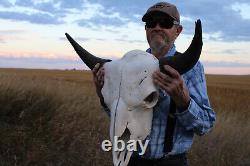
column 182, row 62
column 89, row 59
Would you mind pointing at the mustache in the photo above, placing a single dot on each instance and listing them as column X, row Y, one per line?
column 158, row 32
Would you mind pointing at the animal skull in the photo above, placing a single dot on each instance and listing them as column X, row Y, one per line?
column 130, row 94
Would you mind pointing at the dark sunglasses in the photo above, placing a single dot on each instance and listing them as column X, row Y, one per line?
column 166, row 24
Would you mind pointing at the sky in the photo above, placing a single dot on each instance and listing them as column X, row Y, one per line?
column 32, row 31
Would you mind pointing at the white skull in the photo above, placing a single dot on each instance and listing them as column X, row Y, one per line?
column 130, row 94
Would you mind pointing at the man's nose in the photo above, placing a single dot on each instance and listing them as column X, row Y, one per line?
column 157, row 26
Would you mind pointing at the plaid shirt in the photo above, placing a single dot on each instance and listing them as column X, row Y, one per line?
column 197, row 119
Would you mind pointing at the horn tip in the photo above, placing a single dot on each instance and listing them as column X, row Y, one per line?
column 199, row 21
column 66, row 34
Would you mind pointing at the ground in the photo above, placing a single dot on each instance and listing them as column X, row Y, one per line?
column 53, row 117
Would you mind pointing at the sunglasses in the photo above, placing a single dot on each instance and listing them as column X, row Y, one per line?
column 166, row 24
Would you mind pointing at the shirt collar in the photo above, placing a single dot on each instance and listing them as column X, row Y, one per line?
column 170, row 52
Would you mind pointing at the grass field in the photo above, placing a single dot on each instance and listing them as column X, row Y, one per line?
column 52, row 117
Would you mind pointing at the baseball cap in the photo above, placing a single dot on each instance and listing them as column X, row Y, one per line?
column 162, row 7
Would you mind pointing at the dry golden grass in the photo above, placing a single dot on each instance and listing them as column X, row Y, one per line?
column 53, row 117
column 228, row 143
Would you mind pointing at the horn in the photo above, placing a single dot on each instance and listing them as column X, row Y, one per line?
column 183, row 62
column 89, row 59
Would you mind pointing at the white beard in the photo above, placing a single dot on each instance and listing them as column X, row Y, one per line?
column 157, row 45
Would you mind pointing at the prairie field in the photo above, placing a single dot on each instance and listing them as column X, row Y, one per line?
column 53, row 118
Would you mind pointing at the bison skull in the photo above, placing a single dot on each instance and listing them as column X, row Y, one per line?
column 130, row 94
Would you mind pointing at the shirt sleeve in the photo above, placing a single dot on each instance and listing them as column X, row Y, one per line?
column 199, row 116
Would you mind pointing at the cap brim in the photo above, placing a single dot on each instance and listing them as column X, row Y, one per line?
column 149, row 15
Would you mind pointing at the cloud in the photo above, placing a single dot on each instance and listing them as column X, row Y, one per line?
column 98, row 26
column 2, row 39
column 36, row 12
column 49, row 7
column 227, row 52
column 129, row 41
column 11, row 32
column 127, row 9
column 6, row 35
column 100, row 39
column 243, row 9
column 37, row 18
column 78, row 39
column 232, row 51
column 5, row 3
column 97, row 16
column 70, row 4
column 24, row 3
column 217, row 17
column 103, row 20
column 229, row 19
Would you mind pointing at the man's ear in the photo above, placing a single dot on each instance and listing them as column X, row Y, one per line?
column 178, row 30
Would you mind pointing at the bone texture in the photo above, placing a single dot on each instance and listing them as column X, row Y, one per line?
column 127, row 84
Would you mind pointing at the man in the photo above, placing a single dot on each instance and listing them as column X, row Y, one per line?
column 183, row 108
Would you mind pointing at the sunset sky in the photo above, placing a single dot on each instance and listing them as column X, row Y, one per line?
column 32, row 31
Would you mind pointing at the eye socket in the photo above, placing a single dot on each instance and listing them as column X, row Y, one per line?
column 151, row 99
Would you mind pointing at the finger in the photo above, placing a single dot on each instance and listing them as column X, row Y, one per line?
column 102, row 79
column 165, row 87
column 95, row 69
column 102, row 83
column 162, row 77
column 96, row 73
column 101, row 76
column 162, row 85
column 171, row 71
column 100, row 73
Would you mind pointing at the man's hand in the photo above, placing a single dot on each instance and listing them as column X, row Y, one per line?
column 174, row 85
column 98, row 77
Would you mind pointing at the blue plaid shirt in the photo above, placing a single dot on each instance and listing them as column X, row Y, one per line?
column 197, row 119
